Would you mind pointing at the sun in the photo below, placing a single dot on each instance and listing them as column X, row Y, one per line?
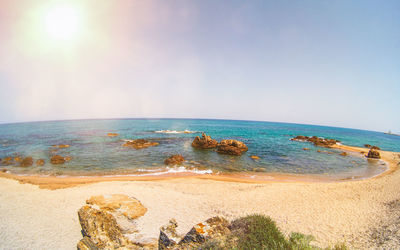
column 62, row 22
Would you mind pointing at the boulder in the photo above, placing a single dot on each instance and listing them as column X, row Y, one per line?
column 231, row 147
column 139, row 144
column 168, row 236
column 86, row 244
column 372, row 153
column 101, row 228
column 174, row 160
column 112, row 134
column 26, row 162
column 204, row 142
column 57, row 159
column 119, row 204
column 214, row 227
column 40, row 162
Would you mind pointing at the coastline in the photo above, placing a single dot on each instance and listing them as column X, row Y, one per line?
column 55, row 182
column 342, row 211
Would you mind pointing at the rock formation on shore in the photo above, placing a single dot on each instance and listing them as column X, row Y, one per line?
column 231, row 147
column 174, row 160
column 105, row 221
column 373, row 153
column 317, row 141
column 204, row 142
column 139, row 144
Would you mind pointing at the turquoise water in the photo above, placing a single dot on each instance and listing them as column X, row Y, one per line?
column 94, row 153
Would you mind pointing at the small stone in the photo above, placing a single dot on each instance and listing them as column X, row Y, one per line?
column 174, row 160
column 40, row 162
column 112, row 134
column 254, row 157
column 343, row 154
column 57, row 159
column 306, row 149
column 61, row 146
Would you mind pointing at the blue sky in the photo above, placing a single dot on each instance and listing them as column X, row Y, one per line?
column 315, row 62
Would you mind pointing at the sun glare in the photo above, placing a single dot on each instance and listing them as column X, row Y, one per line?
column 62, row 22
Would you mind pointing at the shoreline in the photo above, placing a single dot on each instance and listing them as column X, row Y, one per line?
column 333, row 212
column 56, row 182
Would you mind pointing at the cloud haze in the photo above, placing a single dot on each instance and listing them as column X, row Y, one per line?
column 331, row 63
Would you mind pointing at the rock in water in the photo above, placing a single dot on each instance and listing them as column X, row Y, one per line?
column 27, row 162
column 231, row 147
column 40, row 162
column 374, row 154
column 119, row 204
column 214, row 227
column 168, row 236
column 174, row 160
column 317, row 141
column 139, row 144
column 112, row 134
column 204, row 142
column 57, row 159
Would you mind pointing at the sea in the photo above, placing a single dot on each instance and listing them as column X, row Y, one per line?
column 93, row 153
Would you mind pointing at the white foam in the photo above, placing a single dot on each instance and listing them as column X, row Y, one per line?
column 176, row 131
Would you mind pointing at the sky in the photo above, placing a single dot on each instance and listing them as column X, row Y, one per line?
column 333, row 63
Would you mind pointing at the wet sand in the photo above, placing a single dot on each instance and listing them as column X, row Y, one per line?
column 44, row 215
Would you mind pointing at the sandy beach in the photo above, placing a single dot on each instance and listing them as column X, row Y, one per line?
column 44, row 215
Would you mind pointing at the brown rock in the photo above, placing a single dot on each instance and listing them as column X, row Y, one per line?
column 119, row 204
column 112, row 134
column 306, row 149
column 174, row 160
column 86, row 244
column 61, row 146
column 204, row 142
column 168, row 235
column 231, row 147
column 212, row 228
column 102, row 229
column 367, row 145
column 321, row 142
column 139, row 144
column 374, row 154
column 7, row 161
column 40, row 162
column 17, row 159
column 343, row 154
column 57, row 159
column 375, row 147
column 254, row 157
column 67, row 158
column 26, row 162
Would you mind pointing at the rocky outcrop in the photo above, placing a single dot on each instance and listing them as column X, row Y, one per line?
column 213, row 228
column 174, row 160
column 112, row 134
column 231, row 147
column 139, row 144
column 26, row 162
column 372, row 153
column 204, row 142
column 40, row 162
column 317, row 141
column 105, row 221
column 120, row 204
column 57, row 159
column 168, row 236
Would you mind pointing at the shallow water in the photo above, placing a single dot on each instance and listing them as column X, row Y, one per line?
column 94, row 153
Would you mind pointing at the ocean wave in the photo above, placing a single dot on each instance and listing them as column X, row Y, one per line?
column 168, row 170
column 176, row 132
